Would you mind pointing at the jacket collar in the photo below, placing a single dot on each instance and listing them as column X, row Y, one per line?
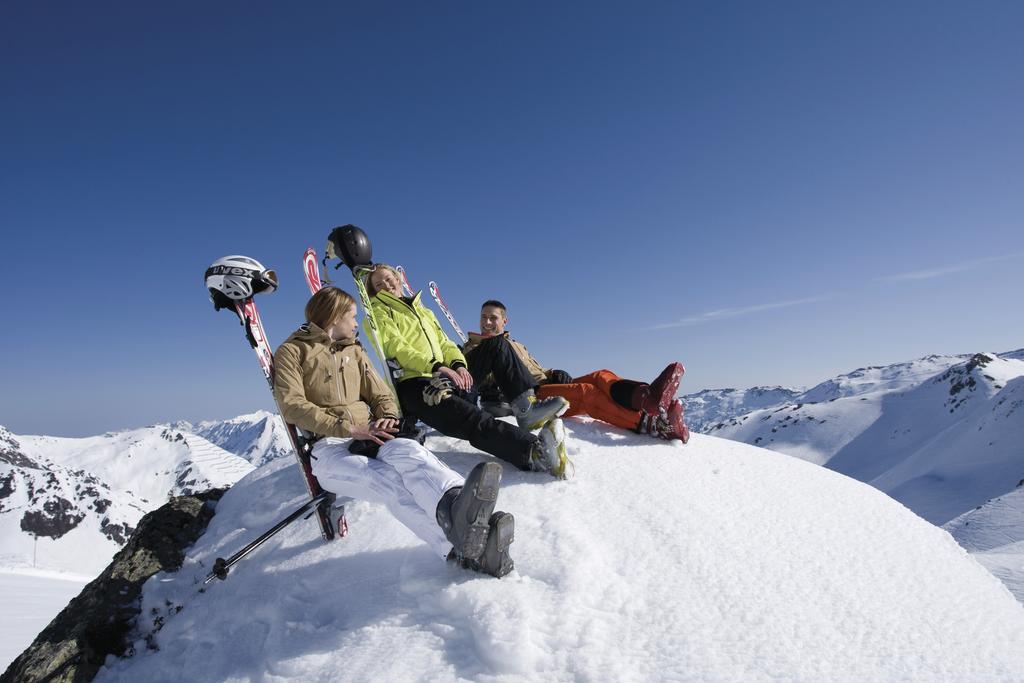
column 392, row 300
column 314, row 334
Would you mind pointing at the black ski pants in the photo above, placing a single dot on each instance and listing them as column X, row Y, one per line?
column 495, row 356
column 458, row 417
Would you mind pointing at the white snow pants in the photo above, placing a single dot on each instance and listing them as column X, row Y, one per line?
column 405, row 477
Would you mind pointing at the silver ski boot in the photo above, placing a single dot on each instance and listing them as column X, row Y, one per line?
column 533, row 413
column 548, row 454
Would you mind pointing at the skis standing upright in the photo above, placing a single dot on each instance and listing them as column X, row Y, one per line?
column 358, row 273
column 249, row 317
column 312, row 271
column 436, row 293
column 406, row 287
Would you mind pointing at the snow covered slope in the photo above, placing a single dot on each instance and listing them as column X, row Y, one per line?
column 994, row 534
column 949, row 444
column 59, row 517
column 70, row 504
column 713, row 561
column 31, row 599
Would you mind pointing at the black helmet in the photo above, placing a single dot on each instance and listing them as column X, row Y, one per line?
column 351, row 245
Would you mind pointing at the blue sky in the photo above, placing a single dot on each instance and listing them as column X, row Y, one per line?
column 771, row 193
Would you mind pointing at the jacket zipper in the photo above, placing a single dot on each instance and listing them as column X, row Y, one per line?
column 337, row 380
column 434, row 356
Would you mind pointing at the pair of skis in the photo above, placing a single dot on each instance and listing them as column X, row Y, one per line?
column 330, row 519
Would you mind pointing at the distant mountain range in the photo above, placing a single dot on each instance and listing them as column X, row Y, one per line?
column 941, row 434
column 69, row 504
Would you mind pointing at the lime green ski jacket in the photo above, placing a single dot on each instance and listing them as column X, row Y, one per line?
column 411, row 335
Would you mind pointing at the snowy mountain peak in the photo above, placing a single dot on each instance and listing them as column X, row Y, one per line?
column 984, row 374
column 258, row 437
column 10, row 452
column 879, row 378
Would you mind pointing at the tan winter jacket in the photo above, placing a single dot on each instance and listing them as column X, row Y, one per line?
column 328, row 388
column 539, row 373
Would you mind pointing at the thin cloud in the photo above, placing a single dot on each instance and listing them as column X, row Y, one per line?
column 932, row 273
column 724, row 313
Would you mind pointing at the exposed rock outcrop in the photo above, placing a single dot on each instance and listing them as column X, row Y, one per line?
column 99, row 621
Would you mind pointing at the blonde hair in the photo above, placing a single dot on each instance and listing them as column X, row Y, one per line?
column 371, row 290
column 327, row 305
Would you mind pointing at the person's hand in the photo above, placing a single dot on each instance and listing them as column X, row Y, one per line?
column 371, row 433
column 460, row 378
column 385, row 424
column 467, row 378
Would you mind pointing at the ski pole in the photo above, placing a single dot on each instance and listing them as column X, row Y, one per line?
column 221, row 566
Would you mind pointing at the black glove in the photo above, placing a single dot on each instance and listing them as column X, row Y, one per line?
column 559, row 377
column 439, row 389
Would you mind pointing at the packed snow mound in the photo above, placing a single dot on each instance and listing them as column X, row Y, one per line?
column 710, row 561
column 994, row 534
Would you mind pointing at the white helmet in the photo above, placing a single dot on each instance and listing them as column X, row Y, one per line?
column 236, row 278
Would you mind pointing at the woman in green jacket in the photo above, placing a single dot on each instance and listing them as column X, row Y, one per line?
column 434, row 384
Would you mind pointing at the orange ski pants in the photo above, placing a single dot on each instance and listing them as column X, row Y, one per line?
column 591, row 395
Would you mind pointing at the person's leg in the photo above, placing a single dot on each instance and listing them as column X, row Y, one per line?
column 496, row 356
column 461, row 508
column 454, row 416
column 591, row 395
column 651, row 398
column 374, row 481
column 424, row 476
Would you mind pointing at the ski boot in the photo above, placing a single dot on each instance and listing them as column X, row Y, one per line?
column 668, row 425
column 656, row 397
column 463, row 512
column 495, row 559
column 548, row 454
column 533, row 413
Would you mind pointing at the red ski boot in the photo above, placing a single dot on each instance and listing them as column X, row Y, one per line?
column 668, row 425
column 656, row 397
